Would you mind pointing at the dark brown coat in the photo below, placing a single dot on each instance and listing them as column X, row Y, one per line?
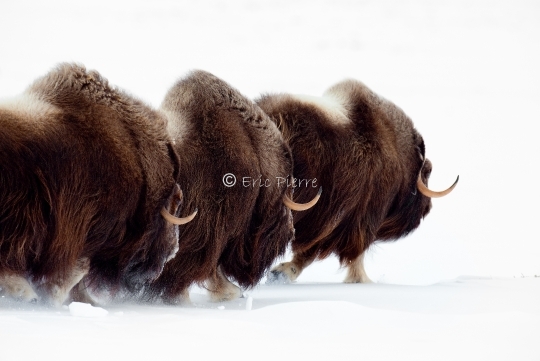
column 367, row 155
column 84, row 171
column 239, row 230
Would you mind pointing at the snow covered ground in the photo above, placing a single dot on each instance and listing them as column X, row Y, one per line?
column 462, row 319
column 465, row 71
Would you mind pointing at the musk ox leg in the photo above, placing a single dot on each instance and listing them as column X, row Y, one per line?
column 59, row 291
column 182, row 298
column 79, row 293
column 17, row 287
column 221, row 289
column 356, row 271
column 289, row 271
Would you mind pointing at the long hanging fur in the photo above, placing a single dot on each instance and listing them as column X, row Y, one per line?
column 366, row 154
column 84, row 171
column 240, row 229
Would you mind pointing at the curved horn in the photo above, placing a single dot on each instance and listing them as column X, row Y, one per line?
column 301, row 206
column 432, row 194
column 175, row 220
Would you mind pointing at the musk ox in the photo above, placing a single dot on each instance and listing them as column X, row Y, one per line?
column 86, row 172
column 220, row 135
column 371, row 161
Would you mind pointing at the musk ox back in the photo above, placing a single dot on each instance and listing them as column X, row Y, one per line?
column 85, row 170
column 242, row 227
column 371, row 161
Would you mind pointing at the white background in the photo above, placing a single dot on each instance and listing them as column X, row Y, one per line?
column 466, row 72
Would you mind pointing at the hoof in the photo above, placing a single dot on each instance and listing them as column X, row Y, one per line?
column 181, row 299
column 283, row 273
column 277, row 278
column 232, row 292
column 362, row 279
column 221, row 289
column 18, row 288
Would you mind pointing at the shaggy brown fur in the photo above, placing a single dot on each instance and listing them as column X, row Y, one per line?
column 367, row 155
column 80, row 189
column 240, row 229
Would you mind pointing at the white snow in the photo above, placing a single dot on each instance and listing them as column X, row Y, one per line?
column 80, row 309
column 463, row 319
column 465, row 71
column 249, row 303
